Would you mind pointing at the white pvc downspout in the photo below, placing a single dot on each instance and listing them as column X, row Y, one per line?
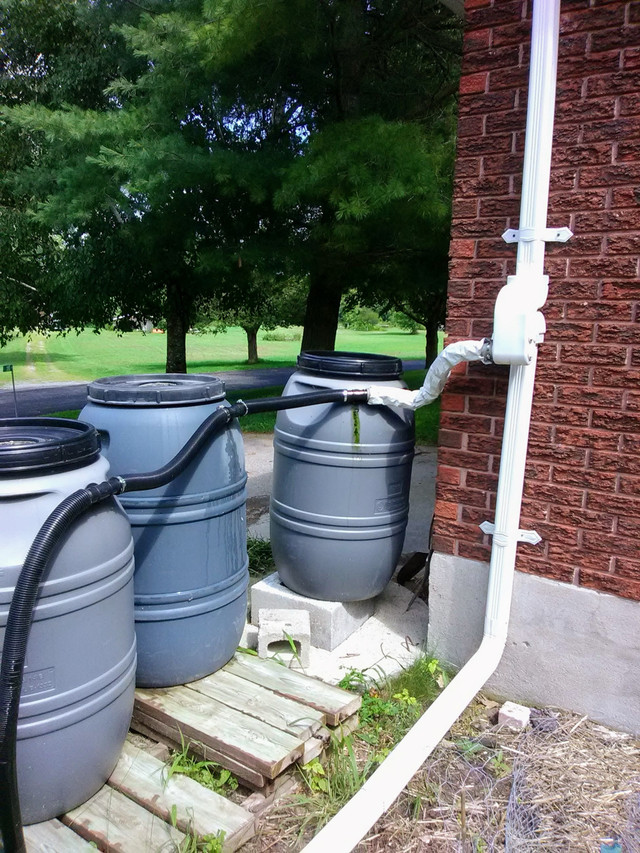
column 352, row 823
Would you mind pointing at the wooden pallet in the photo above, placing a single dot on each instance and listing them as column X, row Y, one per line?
column 139, row 810
column 254, row 717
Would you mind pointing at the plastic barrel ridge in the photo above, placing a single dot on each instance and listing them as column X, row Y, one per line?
column 191, row 576
column 79, row 678
column 341, row 478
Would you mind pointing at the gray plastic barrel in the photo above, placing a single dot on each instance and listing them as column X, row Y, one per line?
column 79, row 678
column 341, row 477
column 191, row 574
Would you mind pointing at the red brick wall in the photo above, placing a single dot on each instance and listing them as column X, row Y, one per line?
column 582, row 490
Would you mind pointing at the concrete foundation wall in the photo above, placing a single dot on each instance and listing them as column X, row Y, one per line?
column 568, row 647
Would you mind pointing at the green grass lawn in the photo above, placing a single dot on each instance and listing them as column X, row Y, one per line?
column 88, row 356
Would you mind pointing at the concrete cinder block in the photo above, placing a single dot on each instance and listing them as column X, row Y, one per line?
column 278, row 630
column 249, row 638
column 514, row 716
column 331, row 622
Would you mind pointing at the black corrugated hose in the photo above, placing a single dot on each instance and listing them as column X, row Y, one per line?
column 36, row 563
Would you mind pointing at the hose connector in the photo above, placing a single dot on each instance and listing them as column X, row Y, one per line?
column 486, row 351
column 238, row 410
column 356, row 395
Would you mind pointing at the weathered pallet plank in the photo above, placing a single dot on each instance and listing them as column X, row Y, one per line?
column 195, row 809
column 347, row 727
column 263, row 747
column 293, row 717
column 335, row 703
column 52, row 836
column 118, row 825
column 153, row 728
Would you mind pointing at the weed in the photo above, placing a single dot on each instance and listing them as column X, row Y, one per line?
column 499, row 765
column 289, row 647
column 260, row 557
column 206, row 773
column 315, row 776
column 192, row 842
column 331, row 787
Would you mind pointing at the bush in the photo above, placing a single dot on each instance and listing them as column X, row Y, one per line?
column 294, row 334
column 401, row 321
column 361, row 318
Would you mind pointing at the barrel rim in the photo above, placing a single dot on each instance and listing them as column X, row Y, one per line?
column 357, row 364
column 156, row 389
column 43, row 445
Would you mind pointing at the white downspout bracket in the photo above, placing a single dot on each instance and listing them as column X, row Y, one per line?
column 531, row 537
column 528, row 235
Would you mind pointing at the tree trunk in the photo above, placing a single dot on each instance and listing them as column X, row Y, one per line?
column 431, row 343
column 252, row 343
column 177, row 327
column 321, row 317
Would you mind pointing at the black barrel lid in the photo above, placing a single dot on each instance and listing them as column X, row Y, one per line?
column 157, row 389
column 355, row 364
column 29, row 445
